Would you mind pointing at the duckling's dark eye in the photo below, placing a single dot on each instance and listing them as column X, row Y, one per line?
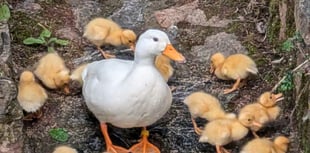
column 129, row 41
column 249, row 120
column 155, row 39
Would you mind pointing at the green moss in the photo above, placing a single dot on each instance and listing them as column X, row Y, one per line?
column 233, row 27
column 290, row 20
column 22, row 26
column 274, row 21
column 251, row 48
column 303, row 127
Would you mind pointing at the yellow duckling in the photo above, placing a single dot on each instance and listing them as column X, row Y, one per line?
column 76, row 75
column 163, row 64
column 101, row 31
column 234, row 67
column 52, row 71
column 31, row 96
column 263, row 145
column 255, row 115
column 223, row 131
column 64, row 149
column 206, row 106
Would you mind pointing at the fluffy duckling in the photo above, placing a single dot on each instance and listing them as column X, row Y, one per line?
column 76, row 75
column 206, row 106
column 163, row 64
column 52, row 71
column 234, row 67
column 223, row 131
column 64, row 149
column 255, row 115
column 263, row 145
column 31, row 96
column 100, row 31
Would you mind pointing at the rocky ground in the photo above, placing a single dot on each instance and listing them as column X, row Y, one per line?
column 196, row 28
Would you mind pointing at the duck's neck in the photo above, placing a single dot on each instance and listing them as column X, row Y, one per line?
column 218, row 72
column 145, row 61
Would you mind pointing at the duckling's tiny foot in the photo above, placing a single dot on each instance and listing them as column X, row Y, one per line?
column 234, row 87
column 255, row 134
column 107, row 55
column 28, row 117
column 196, row 128
column 198, row 131
column 227, row 91
column 172, row 88
column 224, row 150
column 38, row 114
column 66, row 90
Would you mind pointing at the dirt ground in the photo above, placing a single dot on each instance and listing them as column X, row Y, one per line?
column 174, row 133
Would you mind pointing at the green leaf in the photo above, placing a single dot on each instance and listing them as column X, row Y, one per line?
column 31, row 40
column 4, row 12
column 287, row 83
column 53, row 39
column 45, row 33
column 59, row 134
column 287, row 45
column 62, row 42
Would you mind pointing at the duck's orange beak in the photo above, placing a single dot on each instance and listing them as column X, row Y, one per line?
column 173, row 54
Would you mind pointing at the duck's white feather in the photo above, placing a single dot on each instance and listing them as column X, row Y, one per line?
column 126, row 93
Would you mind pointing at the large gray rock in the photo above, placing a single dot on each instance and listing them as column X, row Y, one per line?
column 302, row 19
column 302, row 82
column 10, row 113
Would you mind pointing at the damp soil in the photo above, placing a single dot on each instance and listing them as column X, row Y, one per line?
column 174, row 132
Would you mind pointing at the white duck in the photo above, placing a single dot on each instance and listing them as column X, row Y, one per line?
column 130, row 93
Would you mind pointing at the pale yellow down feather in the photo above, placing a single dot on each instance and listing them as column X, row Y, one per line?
column 64, row 149
column 263, row 145
column 52, row 71
column 163, row 65
column 223, row 131
column 31, row 95
column 238, row 66
column 206, row 106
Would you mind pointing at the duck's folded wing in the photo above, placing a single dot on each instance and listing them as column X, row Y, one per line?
column 106, row 71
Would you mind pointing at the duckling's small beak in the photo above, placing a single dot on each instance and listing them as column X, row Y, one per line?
column 278, row 97
column 66, row 89
column 132, row 47
column 212, row 70
column 256, row 124
column 173, row 54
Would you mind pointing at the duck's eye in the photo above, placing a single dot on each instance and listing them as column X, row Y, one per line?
column 129, row 41
column 249, row 120
column 155, row 39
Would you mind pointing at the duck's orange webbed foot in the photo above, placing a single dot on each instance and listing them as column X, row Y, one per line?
column 109, row 145
column 144, row 146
